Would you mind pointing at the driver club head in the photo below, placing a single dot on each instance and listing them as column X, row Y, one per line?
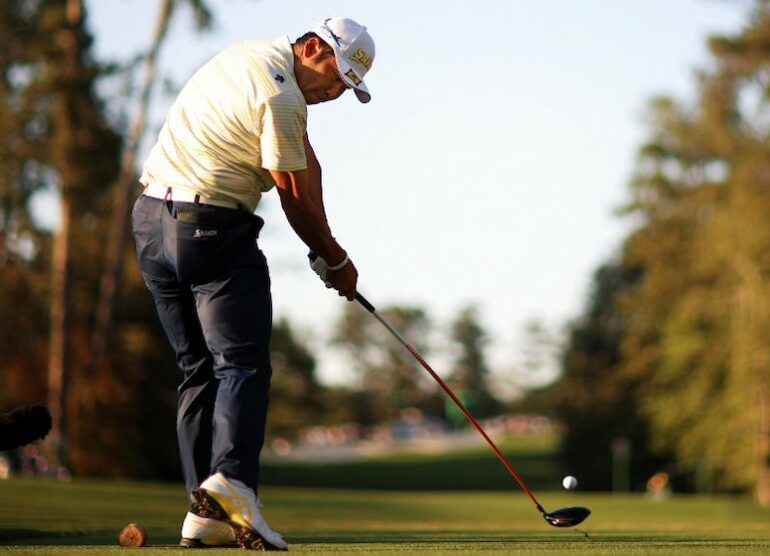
column 567, row 517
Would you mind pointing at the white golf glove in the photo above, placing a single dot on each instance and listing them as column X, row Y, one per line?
column 319, row 266
column 322, row 268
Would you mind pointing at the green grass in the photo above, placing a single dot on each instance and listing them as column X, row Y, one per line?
column 473, row 468
column 39, row 517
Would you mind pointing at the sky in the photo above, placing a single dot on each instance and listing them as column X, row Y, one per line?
column 491, row 161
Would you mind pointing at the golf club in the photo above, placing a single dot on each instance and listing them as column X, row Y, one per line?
column 564, row 517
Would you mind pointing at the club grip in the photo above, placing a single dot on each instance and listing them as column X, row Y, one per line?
column 364, row 303
column 360, row 298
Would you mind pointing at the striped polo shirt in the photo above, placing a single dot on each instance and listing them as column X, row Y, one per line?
column 239, row 115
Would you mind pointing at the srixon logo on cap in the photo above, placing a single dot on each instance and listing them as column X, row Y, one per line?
column 353, row 77
column 362, row 58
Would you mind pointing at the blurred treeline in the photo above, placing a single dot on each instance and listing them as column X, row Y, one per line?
column 669, row 365
column 666, row 369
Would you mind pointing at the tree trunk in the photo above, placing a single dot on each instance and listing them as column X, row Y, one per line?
column 58, row 368
column 58, row 352
column 123, row 194
column 762, row 486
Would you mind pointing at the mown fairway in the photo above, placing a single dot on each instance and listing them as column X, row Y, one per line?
column 83, row 517
column 472, row 467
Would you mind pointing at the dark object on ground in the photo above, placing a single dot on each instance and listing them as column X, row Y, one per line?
column 23, row 425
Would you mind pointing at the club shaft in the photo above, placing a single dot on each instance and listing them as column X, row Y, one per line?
column 369, row 307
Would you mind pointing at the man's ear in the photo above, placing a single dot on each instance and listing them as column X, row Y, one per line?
column 313, row 47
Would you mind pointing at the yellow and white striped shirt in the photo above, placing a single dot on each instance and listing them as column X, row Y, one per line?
column 239, row 115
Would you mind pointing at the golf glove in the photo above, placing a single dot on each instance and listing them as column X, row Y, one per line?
column 319, row 265
column 322, row 268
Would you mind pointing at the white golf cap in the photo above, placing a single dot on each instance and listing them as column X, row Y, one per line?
column 354, row 49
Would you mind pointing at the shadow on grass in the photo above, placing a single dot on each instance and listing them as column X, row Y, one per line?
column 440, row 542
column 313, row 537
column 66, row 538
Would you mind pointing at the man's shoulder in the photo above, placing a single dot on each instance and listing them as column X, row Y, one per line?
column 272, row 53
column 270, row 64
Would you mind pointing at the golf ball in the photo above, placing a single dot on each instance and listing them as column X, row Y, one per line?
column 569, row 482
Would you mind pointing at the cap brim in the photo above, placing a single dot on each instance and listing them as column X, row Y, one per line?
column 362, row 95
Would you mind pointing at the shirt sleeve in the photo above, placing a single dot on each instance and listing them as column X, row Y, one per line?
column 283, row 126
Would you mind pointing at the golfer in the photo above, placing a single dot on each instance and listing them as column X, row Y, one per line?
column 237, row 129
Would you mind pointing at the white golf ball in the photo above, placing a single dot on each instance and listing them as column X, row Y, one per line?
column 569, row 482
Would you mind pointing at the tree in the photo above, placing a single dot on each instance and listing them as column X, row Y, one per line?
column 58, row 139
column 597, row 404
column 24, row 249
column 296, row 397
column 127, row 177
column 702, row 189
column 470, row 371
column 672, row 351
column 388, row 375
column 62, row 142
column 690, row 346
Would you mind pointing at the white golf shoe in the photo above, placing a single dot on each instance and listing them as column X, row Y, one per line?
column 234, row 503
column 202, row 532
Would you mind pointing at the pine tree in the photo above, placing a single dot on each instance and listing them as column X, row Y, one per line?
column 673, row 351
column 698, row 321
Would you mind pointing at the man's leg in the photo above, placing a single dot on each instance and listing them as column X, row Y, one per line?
column 216, row 251
column 176, row 309
column 227, row 271
column 236, row 318
column 197, row 393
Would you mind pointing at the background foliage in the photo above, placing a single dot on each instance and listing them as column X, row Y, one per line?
column 672, row 350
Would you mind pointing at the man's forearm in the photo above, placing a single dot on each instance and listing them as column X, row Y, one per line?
column 309, row 223
column 301, row 196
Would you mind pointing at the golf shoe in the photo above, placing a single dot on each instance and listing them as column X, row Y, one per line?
column 202, row 532
column 232, row 502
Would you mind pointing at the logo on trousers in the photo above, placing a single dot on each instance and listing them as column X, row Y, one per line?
column 205, row 233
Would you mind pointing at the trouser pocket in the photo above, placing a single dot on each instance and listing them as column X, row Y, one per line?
column 210, row 241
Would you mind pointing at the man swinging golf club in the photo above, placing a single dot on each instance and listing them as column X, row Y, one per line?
column 237, row 129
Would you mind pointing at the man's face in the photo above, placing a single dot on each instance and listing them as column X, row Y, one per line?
column 319, row 78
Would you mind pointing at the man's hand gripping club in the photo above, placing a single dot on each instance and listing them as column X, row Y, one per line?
column 327, row 272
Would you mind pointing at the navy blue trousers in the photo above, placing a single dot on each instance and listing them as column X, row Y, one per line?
column 211, row 288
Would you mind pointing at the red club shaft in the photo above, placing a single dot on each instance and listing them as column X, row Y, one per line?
column 369, row 307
